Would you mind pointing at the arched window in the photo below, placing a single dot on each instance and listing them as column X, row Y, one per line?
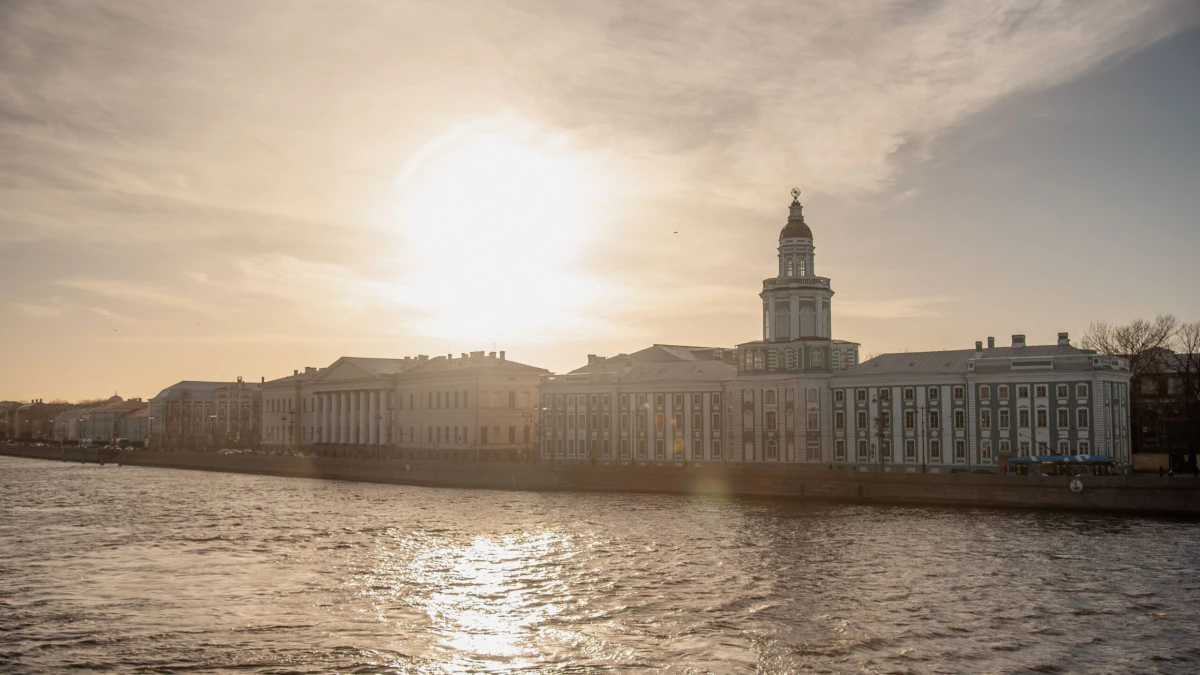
column 747, row 420
column 772, row 450
column 788, row 267
column 759, row 361
column 802, row 268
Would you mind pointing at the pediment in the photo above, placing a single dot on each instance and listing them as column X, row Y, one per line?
column 343, row 371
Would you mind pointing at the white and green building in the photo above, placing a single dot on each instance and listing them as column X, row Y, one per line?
column 799, row 396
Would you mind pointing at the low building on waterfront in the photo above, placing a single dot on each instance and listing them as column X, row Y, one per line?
column 477, row 406
column 799, row 396
column 192, row 415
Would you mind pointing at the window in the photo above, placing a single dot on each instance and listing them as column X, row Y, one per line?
column 960, row 450
column 677, row 400
column 570, row 399
column 1081, row 418
column 641, row 448
column 641, row 400
column 658, row 400
column 696, row 400
column 697, row 450
column 624, row 421
column 910, row 449
column 910, row 419
column 814, row 424
column 959, row 419
column 886, row 451
column 772, row 450
column 1081, row 391
column 659, row 449
column 935, row 419
column 1040, row 390
column 716, row 421
column 935, row 450
column 771, row 421
column 624, row 400
column 582, row 420
column 1063, row 418
column 839, row 395
column 624, row 448
column 862, row 450
column 595, row 421
column 839, row 420
column 716, row 449
column 1002, row 391
column 860, row 395
column 839, row 449
column 571, row 421
column 885, row 419
column 1085, row 447
column 606, row 421
column 558, row 401
column 607, row 400
column 1023, row 417
column 1064, row 447
column 1062, row 391
column 1005, row 446
column 791, row 394
column 607, row 449
column 1043, row 419
column 677, row 421
column 861, row 420
column 909, row 394
column 885, row 394
column 933, row 393
column 985, row 419
column 958, row 393
column 716, row 400
column 985, row 450
column 1023, row 391
column 697, row 421
column 1004, row 418
column 678, row 447
column 571, row 448
column 985, row 392
column 1024, row 448
column 769, row 397
column 658, row 421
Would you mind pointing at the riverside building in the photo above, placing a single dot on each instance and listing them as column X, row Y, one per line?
column 479, row 406
column 799, row 396
column 206, row 415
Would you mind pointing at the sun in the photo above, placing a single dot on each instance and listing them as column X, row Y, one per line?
column 494, row 219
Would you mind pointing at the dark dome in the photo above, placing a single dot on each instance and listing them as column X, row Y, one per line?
column 796, row 228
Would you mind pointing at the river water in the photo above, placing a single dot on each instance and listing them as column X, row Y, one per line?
column 133, row 569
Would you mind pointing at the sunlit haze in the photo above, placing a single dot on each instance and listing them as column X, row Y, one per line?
column 210, row 190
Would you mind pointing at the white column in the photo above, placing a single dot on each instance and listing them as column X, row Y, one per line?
column 385, row 430
column 335, row 415
column 327, row 416
column 373, row 418
column 352, row 419
column 360, row 417
column 343, row 400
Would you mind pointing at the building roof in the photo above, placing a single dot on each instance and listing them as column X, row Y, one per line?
column 949, row 362
column 796, row 228
column 191, row 387
column 680, row 371
column 657, row 353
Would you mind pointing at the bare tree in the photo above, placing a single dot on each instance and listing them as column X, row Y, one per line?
column 1148, row 347
column 1187, row 372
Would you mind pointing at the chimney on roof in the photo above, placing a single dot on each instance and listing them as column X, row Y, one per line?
column 1064, row 339
column 491, row 355
column 991, row 342
column 295, row 372
column 1018, row 341
column 978, row 349
column 477, row 355
column 464, row 355
column 422, row 357
column 591, row 359
column 502, row 355
column 309, row 369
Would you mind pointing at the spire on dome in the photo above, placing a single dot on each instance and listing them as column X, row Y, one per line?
column 796, row 227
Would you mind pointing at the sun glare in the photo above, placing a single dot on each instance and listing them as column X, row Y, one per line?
column 494, row 221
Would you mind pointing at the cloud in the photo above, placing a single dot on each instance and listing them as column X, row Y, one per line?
column 141, row 294
column 38, row 311
column 891, row 308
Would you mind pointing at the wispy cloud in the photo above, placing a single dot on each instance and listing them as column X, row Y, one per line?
column 893, row 308
column 142, row 294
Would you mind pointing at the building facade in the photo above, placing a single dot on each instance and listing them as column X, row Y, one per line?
column 799, row 396
column 479, row 406
column 195, row 415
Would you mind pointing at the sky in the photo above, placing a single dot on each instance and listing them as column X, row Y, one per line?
column 210, row 190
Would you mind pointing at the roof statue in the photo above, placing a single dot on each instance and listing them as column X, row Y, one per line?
column 795, row 195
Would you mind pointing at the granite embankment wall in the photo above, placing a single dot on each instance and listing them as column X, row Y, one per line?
column 1144, row 494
